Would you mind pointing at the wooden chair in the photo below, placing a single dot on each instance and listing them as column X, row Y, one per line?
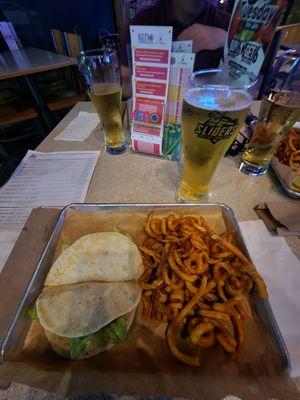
column 15, row 140
column 20, row 128
column 13, row 104
column 62, row 89
column 290, row 35
column 59, row 41
column 73, row 44
column 7, row 166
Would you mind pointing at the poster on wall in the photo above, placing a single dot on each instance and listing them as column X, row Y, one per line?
column 252, row 26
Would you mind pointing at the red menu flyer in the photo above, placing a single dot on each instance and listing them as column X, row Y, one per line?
column 151, row 110
column 151, row 51
column 251, row 29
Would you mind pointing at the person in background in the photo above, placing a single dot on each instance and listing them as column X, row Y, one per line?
column 197, row 20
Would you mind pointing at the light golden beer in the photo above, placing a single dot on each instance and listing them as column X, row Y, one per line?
column 211, row 120
column 107, row 101
column 279, row 111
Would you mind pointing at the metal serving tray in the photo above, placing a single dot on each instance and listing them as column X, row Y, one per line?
column 18, row 327
column 290, row 192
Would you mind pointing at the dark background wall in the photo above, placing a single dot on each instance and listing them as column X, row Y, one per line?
column 33, row 19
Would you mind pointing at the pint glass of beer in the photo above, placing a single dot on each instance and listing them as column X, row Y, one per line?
column 100, row 71
column 213, row 111
column 280, row 109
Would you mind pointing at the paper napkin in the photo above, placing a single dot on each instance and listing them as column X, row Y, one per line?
column 280, row 269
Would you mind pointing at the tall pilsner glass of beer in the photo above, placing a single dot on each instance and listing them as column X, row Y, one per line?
column 100, row 71
column 212, row 115
column 280, row 109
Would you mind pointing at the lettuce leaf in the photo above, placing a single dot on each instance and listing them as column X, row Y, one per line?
column 33, row 313
column 77, row 348
column 113, row 333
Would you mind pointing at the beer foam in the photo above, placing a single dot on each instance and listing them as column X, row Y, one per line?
column 218, row 99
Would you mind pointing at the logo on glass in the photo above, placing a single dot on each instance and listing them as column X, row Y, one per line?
column 218, row 126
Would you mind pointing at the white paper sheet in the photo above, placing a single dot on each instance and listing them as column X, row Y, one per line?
column 13, row 218
column 12, row 221
column 7, row 240
column 42, row 179
column 50, row 179
column 280, row 269
column 80, row 127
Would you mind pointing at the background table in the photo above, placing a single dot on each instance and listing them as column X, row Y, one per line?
column 134, row 178
column 26, row 62
column 29, row 61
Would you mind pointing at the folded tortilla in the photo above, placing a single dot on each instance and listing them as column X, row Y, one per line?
column 79, row 310
column 62, row 345
column 97, row 257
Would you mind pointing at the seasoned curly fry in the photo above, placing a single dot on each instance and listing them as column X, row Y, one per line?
column 194, row 300
column 248, row 266
column 187, row 359
column 295, row 160
column 227, row 342
column 215, row 314
column 196, row 281
column 178, row 271
column 201, row 330
column 288, row 150
column 240, row 331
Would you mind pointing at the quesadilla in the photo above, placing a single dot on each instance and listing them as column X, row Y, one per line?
column 84, row 319
column 90, row 295
column 97, row 257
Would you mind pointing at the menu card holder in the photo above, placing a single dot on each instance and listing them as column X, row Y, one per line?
column 159, row 80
